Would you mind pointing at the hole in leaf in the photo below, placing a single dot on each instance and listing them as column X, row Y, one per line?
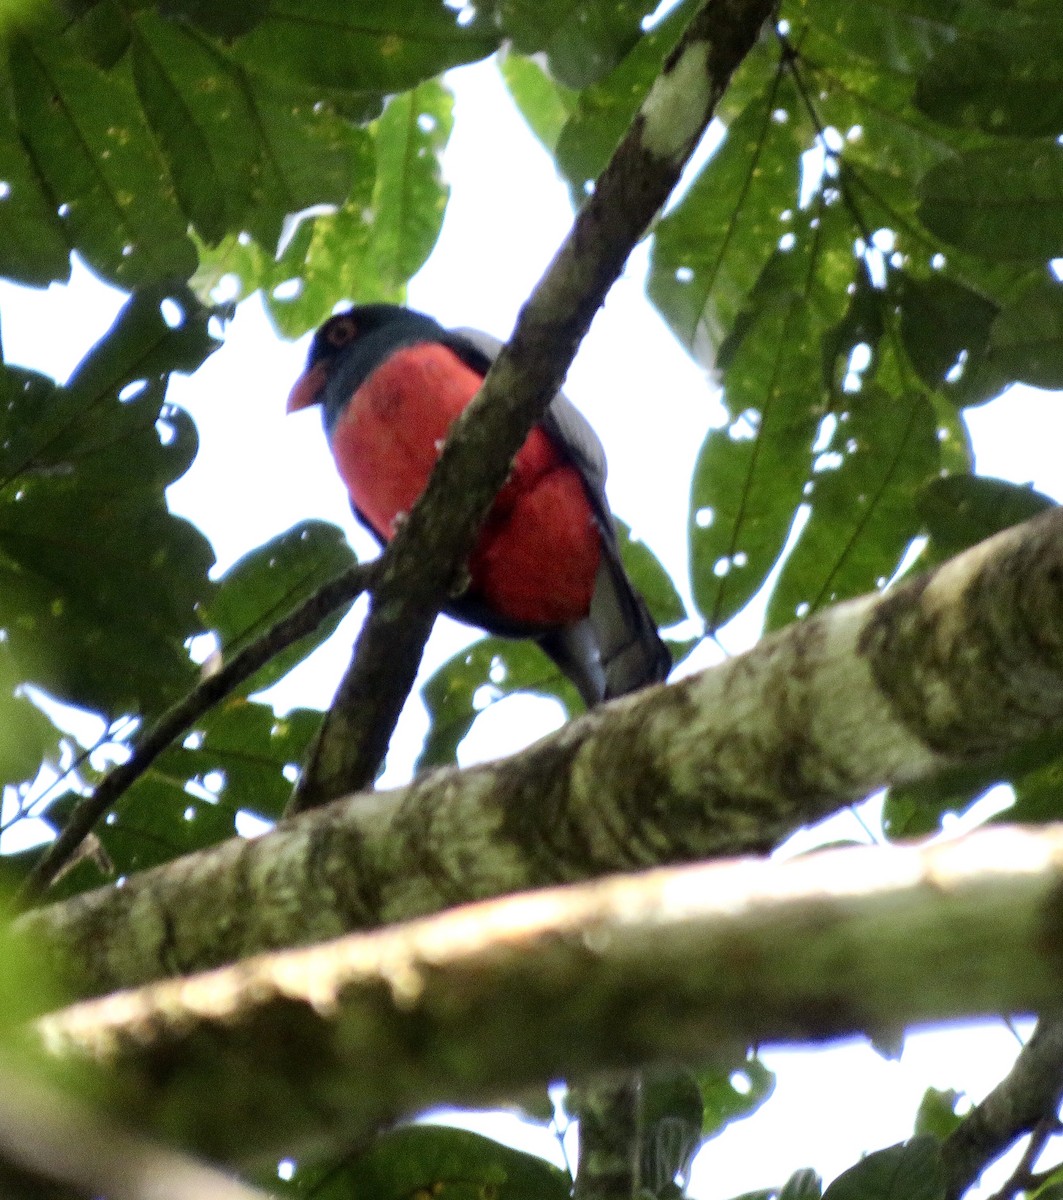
column 172, row 313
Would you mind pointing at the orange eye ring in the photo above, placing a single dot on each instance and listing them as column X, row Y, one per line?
column 340, row 331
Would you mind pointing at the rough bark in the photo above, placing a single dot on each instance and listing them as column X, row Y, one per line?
column 424, row 562
column 944, row 670
column 1030, row 1094
column 672, row 965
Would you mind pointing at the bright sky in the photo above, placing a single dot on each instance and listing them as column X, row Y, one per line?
column 258, row 472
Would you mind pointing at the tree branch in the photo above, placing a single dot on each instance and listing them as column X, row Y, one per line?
column 944, row 670
column 423, row 564
column 1029, row 1096
column 672, row 965
column 180, row 717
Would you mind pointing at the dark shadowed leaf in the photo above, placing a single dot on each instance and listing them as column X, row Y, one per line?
column 197, row 108
column 910, row 1171
column 433, row 1160
column 961, row 510
column 944, row 325
column 225, row 20
column 900, row 35
column 33, row 242
column 1026, row 339
column 383, row 46
column 100, row 582
column 1003, row 201
column 240, row 757
column 1007, row 81
column 378, row 239
column 245, row 754
column 88, row 140
column 583, row 40
column 802, row 1185
column 270, row 581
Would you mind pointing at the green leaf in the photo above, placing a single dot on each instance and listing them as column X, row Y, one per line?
column 750, row 476
column 383, row 46
column 1006, row 82
column 863, row 502
column 544, row 103
column 433, row 1160
column 382, row 235
column 671, row 1123
column 1050, row 1188
column 1026, row 339
column 101, row 33
column 802, row 1185
column 224, row 20
column 27, row 736
column 959, row 511
column 709, row 251
column 309, row 154
column 270, row 581
column 583, row 39
column 98, row 582
column 200, row 115
column 240, row 757
column 33, row 243
column 650, row 578
column 733, row 1093
column 937, row 1114
column 901, row 35
column 1003, row 201
column 86, row 135
column 252, row 754
column 604, row 110
column 942, row 323
column 909, row 1171
column 1038, row 796
column 454, row 698
column 410, row 197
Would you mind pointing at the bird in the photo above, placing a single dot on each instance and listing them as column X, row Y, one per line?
column 547, row 562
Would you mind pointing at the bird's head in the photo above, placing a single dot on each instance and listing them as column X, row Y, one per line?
column 354, row 343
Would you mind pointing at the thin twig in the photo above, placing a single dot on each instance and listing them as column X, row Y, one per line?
column 1020, row 1179
column 176, row 720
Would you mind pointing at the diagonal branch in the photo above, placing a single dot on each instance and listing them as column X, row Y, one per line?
column 1028, row 1096
column 181, row 716
column 422, row 566
column 945, row 670
column 673, row 965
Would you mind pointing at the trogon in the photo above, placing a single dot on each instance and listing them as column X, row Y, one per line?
column 547, row 564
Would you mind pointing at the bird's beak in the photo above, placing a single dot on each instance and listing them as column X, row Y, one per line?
column 308, row 388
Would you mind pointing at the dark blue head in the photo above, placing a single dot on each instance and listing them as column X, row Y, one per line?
column 349, row 347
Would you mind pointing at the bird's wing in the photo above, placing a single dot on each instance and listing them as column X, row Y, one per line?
column 616, row 648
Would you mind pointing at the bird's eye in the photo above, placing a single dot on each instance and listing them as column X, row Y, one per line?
column 340, row 331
